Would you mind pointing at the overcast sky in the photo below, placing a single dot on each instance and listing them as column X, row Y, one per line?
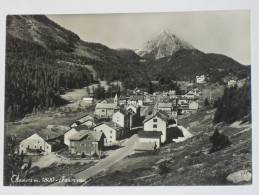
column 225, row 32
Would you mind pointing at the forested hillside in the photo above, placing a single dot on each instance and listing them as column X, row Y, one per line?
column 33, row 78
column 42, row 57
column 234, row 105
column 185, row 64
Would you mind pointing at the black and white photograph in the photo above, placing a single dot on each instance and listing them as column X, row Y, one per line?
column 128, row 99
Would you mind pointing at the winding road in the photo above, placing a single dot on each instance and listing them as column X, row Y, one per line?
column 117, row 155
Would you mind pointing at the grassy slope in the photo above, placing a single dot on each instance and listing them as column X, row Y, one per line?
column 188, row 163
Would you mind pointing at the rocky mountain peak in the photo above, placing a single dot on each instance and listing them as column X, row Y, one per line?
column 164, row 44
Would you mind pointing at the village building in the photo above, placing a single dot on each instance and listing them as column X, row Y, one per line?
column 136, row 100
column 200, row 79
column 113, row 132
column 125, row 118
column 87, row 143
column 122, row 118
column 105, row 109
column 157, row 122
column 68, row 134
column 86, row 120
column 35, row 144
column 44, row 141
column 166, row 107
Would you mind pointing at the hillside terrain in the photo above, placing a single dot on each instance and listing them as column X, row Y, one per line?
column 44, row 58
column 186, row 163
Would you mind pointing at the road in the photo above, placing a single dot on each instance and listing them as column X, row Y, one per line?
column 117, row 155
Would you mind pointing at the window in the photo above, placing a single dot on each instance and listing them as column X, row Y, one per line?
column 111, row 137
column 155, row 120
column 110, row 131
column 154, row 126
column 103, row 110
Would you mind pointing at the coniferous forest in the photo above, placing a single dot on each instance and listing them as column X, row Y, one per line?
column 234, row 104
column 33, row 78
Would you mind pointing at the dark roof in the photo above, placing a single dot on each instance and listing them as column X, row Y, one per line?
column 54, row 132
column 81, row 127
column 149, row 134
column 163, row 115
column 112, row 125
column 92, row 135
column 106, row 106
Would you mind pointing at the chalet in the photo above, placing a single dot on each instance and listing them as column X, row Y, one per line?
column 113, row 132
column 34, row 144
column 44, row 141
column 200, row 79
column 87, row 143
column 157, row 122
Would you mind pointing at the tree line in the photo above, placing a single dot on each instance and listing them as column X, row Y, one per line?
column 234, row 104
column 33, row 78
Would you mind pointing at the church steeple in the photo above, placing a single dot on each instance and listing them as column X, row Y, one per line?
column 115, row 100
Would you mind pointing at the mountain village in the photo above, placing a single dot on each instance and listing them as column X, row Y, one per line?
column 87, row 114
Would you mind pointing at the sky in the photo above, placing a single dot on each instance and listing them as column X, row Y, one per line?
column 224, row 32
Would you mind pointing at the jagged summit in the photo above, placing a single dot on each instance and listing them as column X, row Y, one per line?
column 164, row 44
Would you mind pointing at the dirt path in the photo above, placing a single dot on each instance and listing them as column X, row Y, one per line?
column 127, row 149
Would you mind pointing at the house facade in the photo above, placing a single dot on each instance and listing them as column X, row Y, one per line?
column 68, row 134
column 33, row 144
column 166, row 107
column 122, row 118
column 86, row 143
column 157, row 122
column 105, row 110
column 112, row 132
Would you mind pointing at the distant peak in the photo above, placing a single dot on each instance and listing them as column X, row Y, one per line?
column 164, row 44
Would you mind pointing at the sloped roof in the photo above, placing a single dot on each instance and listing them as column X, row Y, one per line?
column 92, row 135
column 52, row 133
column 81, row 127
column 112, row 125
column 106, row 106
column 163, row 115
column 86, row 118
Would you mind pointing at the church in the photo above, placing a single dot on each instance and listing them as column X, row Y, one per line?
column 106, row 109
